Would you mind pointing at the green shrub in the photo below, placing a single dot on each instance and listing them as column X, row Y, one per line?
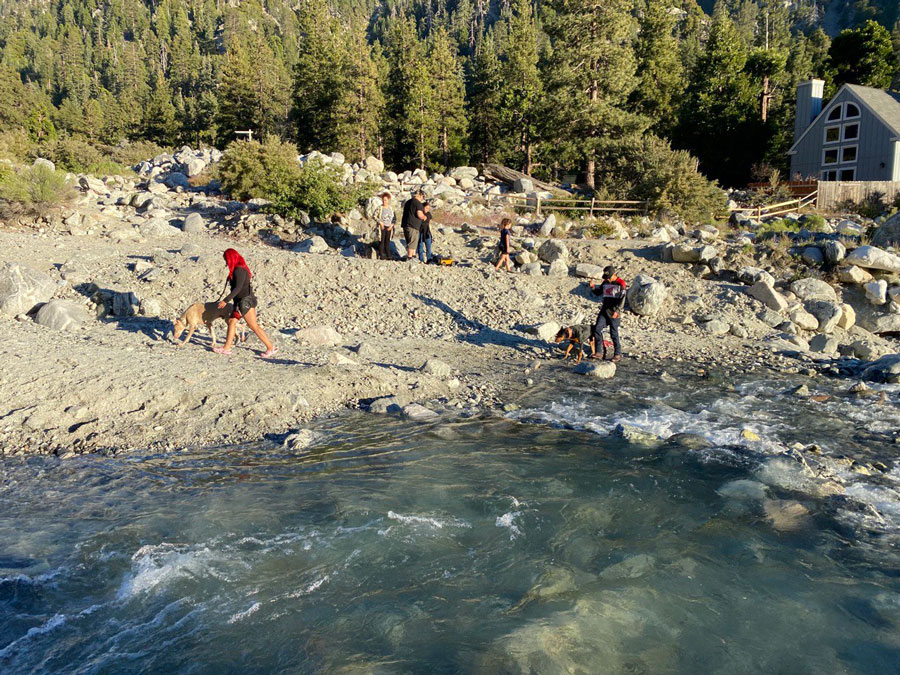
column 131, row 153
column 78, row 155
column 319, row 192
column 254, row 170
column 15, row 145
column 648, row 168
column 814, row 222
column 269, row 170
column 34, row 189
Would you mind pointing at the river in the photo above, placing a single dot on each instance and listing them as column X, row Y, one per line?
column 536, row 542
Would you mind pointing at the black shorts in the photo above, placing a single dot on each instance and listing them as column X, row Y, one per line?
column 243, row 305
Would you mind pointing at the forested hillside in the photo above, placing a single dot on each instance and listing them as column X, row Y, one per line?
column 600, row 89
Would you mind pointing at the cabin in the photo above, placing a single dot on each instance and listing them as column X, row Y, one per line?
column 853, row 137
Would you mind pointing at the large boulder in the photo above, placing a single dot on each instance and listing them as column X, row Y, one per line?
column 763, row 291
column 91, row 184
column 548, row 225
column 194, row 167
column 834, row 251
column 876, row 292
column 646, row 295
column 753, row 275
column 803, row 319
column 558, row 268
column 812, row 256
column 437, row 368
column 813, row 289
column 553, row 250
column 314, row 244
column 176, row 179
column 544, row 331
column 885, row 369
column 854, row 275
column 827, row 313
column 523, row 185
column 319, row 336
column 848, row 317
column 374, row 165
column 62, row 315
column 22, row 288
column 873, row 258
column 888, row 233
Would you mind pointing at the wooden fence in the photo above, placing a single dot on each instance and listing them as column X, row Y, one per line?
column 591, row 206
column 796, row 188
column 832, row 193
column 781, row 208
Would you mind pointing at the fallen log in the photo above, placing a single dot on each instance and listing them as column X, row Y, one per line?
column 510, row 176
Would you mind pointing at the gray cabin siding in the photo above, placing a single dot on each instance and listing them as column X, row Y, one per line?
column 876, row 158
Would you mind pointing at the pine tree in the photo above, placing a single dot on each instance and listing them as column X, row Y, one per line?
column 447, row 95
column 864, row 56
column 659, row 67
column 158, row 123
column 360, row 104
column 484, row 101
column 593, row 76
column 522, row 88
column 411, row 127
column 318, row 77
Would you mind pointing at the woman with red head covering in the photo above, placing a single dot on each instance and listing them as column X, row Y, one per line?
column 244, row 304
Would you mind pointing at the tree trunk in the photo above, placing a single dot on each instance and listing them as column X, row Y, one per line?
column 766, row 96
column 591, row 165
column 445, row 147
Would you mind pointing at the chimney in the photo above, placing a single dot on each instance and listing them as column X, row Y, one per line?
column 809, row 105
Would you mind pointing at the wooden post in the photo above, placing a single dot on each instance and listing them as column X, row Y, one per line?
column 539, row 205
column 592, row 206
column 759, row 212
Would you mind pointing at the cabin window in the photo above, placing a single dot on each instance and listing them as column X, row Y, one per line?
column 851, row 131
column 832, row 134
column 828, row 175
column 835, row 113
column 848, row 174
column 830, row 156
column 848, row 154
column 852, row 111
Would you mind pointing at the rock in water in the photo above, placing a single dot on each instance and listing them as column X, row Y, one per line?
column 419, row 413
column 646, row 295
column 62, row 315
column 22, row 288
column 603, row 370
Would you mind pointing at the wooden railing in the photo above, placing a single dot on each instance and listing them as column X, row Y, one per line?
column 781, row 208
column 591, row 206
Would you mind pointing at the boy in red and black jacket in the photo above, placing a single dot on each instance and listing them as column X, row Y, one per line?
column 612, row 290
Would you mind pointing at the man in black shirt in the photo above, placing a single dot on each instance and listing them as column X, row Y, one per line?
column 413, row 217
column 612, row 290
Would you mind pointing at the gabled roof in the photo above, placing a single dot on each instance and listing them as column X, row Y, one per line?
column 884, row 105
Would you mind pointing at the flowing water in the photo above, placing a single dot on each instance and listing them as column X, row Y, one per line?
column 536, row 543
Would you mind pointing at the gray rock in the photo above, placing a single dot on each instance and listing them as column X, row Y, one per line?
column 865, row 350
column 150, row 307
column 873, row 258
column 715, row 327
column 692, row 254
column 22, row 288
column 848, row 317
column 419, row 413
column 558, row 268
column 826, row 313
column 46, row 163
column 548, row 225
column 634, row 434
column 888, row 233
column 834, row 252
column 303, row 439
column 194, row 167
column 876, row 292
column 523, row 185
column 62, row 315
column 885, row 369
column 437, row 368
column 177, row 179
column 191, row 250
column 532, row 269
column 544, row 331
column 124, row 304
column 193, row 224
column 803, row 319
column 812, row 256
column 91, row 184
column 739, row 331
column 141, row 200
column 762, row 290
column 769, row 317
column 753, row 275
column 387, row 405
column 813, row 289
column 854, row 275
column 881, row 323
column 646, row 295
column 319, row 336
column 553, row 250
column 588, row 271
column 603, row 370
column 824, row 344
column 314, row 244
column 159, row 228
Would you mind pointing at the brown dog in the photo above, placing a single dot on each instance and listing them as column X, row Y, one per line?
column 205, row 313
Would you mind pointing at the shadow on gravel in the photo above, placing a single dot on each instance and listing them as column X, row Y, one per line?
column 482, row 334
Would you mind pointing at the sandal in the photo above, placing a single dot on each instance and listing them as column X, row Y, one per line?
column 221, row 350
column 268, row 354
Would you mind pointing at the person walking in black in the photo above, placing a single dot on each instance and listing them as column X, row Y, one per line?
column 413, row 217
column 612, row 292
column 505, row 246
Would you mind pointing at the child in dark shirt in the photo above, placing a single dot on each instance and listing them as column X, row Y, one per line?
column 505, row 244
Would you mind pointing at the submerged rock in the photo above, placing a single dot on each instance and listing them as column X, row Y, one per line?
column 603, row 370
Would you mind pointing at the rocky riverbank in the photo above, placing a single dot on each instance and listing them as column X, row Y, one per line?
column 87, row 300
